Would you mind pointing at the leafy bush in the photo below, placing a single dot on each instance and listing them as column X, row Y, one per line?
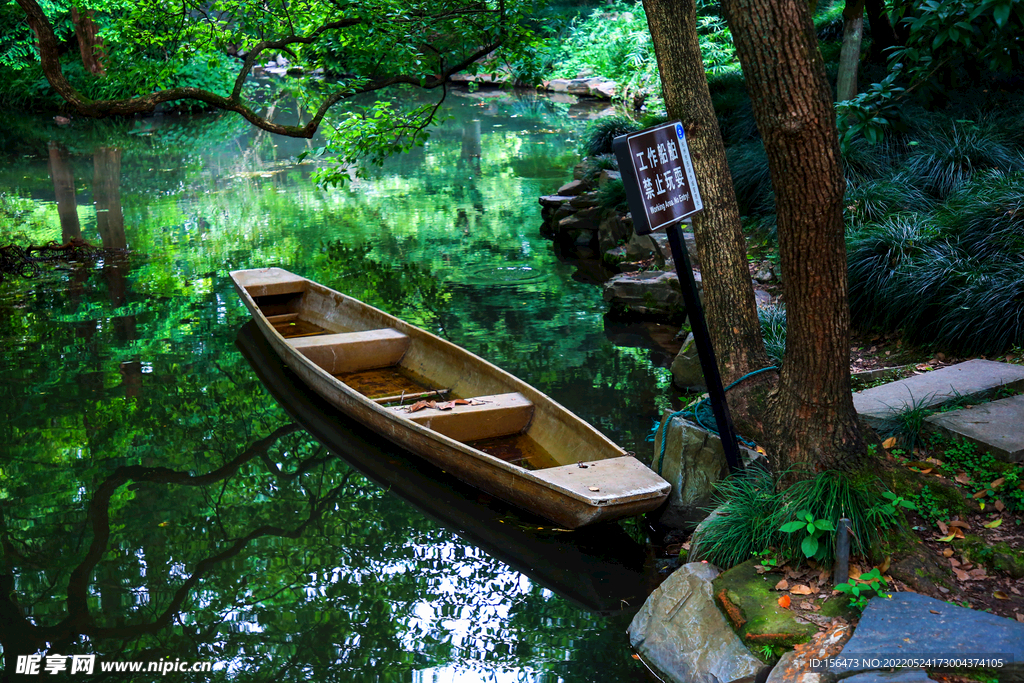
column 948, row 157
column 752, row 514
column 872, row 201
column 953, row 277
column 597, row 140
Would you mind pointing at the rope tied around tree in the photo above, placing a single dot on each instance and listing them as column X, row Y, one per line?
column 701, row 413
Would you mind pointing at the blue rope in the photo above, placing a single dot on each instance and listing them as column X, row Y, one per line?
column 703, row 406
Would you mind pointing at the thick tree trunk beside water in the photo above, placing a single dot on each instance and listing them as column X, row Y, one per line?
column 814, row 424
column 728, row 292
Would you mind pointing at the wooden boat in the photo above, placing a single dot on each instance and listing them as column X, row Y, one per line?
column 484, row 426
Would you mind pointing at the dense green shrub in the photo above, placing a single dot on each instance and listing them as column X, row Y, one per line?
column 597, row 140
column 752, row 512
column 948, row 157
column 953, row 277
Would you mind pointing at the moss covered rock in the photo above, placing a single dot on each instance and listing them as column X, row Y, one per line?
column 746, row 599
column 996, row 556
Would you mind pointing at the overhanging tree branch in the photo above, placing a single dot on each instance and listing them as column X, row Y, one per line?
column 85, row 106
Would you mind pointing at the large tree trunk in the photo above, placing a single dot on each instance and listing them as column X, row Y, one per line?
column 90, row 45
column 815, row 426
column 849, row 54
column 728, row 291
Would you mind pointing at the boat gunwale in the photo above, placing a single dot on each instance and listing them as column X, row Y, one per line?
column 360, row 401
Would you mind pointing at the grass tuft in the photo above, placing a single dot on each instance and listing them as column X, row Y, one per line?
column 773, row 331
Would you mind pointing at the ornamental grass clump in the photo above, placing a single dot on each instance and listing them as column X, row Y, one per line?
column 953, row 277
column 752, row 516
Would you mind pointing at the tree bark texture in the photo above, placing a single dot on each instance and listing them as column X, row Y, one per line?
column 728, row 291
column 815, row 426
column 90, row 45
column 849, row 54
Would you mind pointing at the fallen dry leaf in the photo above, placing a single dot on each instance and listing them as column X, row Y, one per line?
column 855, row 571
column 942, row 527
column 935, row 611
column 946, row 539
column 978, row 573
column 782, row 585
column 801, row 589
column 1000, row 595
column 980, row 494
column 954, row 562
column 999, row 506
column 420, row 405
column 948, row 552
column 961, row 574
column 445, row 406
column 958, row 532
column 889, row 443
column 997, row 483
column 1019, row 617
column 784, row 602
column 962, row 478
column 462, row 402
column 884, row 567
column 994, row 523
column 962, row 525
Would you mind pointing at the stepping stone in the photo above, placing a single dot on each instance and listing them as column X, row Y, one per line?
column 914, row 626
column 972, row 378
column 995, row 427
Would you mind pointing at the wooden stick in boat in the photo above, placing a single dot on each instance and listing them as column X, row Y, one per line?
column 423, row 394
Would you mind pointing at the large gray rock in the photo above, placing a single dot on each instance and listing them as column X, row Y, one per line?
column 972, row 378
column 682, row 635
column 693, row 461
column 915, row 626
column 650, row 293
column 995, row 427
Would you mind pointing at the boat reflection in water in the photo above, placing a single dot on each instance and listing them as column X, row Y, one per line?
column 600, row 569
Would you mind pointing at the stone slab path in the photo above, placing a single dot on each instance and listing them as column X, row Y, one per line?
column 997, row 427
column 914, row 626
column 971, row 378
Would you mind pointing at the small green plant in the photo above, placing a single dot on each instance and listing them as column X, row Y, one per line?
column 907, row 423
column 812, row 528
column 767, row 651
column 869, row 585
column 929, row 506
column 766, row 558
column 895, row 502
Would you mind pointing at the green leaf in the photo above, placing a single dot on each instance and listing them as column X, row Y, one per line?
column 790, row 527
column 1001, row 14
column 809, row 546
column 824, row 525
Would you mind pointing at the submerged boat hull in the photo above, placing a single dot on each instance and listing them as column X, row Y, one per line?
column 351, row 353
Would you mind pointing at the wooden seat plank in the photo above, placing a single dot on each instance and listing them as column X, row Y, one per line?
column 353, row 351
column 485, row 418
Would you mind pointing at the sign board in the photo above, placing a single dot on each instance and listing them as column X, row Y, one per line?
column 658, row 174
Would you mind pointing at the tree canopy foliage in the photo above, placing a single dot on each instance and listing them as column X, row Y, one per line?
column 161, row 52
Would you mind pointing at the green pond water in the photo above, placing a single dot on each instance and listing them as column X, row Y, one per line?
column 157, row 500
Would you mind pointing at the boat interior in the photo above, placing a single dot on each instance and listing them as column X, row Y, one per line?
column 408, row 372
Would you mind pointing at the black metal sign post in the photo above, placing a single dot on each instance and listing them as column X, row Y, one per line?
column 662, row 190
